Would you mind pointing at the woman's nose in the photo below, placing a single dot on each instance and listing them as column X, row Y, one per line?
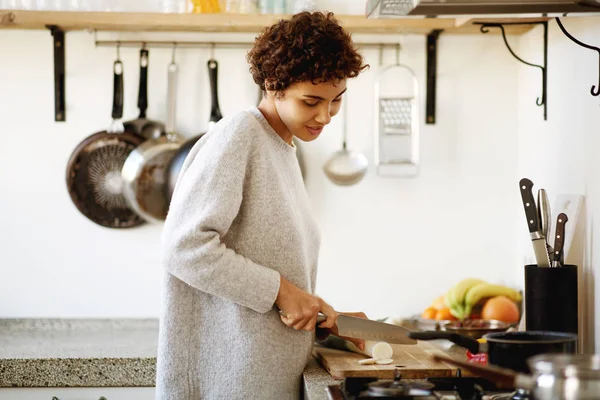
column 324, row 116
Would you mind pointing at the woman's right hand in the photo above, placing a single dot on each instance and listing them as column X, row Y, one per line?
column 299, row 310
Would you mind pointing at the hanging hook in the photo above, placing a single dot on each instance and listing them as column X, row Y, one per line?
column 540, row 101
column 595, row 91
column 380, row 54
column 173, row 53
column 212, row 51
column 118, row 51
column 398, row 54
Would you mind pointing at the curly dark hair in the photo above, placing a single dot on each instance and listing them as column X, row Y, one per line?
column 307, row 47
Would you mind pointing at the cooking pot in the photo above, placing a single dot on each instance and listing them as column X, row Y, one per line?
column 509, row 349
column 554, row 376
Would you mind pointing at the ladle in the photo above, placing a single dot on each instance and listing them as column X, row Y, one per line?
column 346, row 167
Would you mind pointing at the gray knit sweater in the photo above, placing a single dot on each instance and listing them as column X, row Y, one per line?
column 239, row 218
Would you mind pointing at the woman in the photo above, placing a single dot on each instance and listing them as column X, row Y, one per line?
column 240, row 245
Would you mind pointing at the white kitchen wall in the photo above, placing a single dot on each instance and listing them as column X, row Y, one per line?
column 390, row 246
column 561, row 154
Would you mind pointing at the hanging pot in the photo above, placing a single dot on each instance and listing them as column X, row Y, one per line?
column 174, row 167
column 93, row 173
column 143, row 172
column 143, row 126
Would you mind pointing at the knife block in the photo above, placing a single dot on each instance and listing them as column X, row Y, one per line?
column 551, row 299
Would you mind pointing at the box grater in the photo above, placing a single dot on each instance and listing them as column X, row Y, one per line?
column 396, row 121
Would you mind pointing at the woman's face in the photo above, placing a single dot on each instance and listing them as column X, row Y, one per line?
column 305, row 108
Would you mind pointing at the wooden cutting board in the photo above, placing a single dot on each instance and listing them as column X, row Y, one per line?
column 413, row 361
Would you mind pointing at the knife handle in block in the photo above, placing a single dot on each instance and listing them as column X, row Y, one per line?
column 559, row 240
column 526, row 186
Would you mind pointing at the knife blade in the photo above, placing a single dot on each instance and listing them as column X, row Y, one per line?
column 370, row 330
column 537, row 239
column 559, row 240
column 545, row 218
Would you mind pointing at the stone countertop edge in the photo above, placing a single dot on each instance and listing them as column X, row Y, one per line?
column 78, row 372
column 316, row 380
column 71, row 352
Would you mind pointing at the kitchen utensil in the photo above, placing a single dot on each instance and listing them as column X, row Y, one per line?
column 476, row 328
column 346, row 167
column 397, row 120
column 509, row 349
column 554, row 376
column 502, row 377
column 94, row 168
column 538, row 240
column 414, row 362
column 144, row 170
column 174, row 167
column 563, row 376
column 552, row 299
column 141, row 125
column 545, row 218
column 558, row 259
column 369, row 330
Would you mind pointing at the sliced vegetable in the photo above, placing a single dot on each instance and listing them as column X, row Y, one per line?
column 367, row 361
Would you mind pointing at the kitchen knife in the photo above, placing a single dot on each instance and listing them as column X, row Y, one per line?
column 545, row 218
column 370, row 330
column 559, row 240
column 537, row 239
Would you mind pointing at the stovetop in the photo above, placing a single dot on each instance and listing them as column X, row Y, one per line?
column 451, row 388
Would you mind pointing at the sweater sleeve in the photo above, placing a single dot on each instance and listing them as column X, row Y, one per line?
column 206, row 201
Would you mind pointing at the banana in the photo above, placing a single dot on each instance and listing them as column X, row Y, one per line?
column 478, row 292
column 455, row 297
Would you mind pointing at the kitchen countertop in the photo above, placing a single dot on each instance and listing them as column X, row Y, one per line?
column 78, row 352
column 96, row 353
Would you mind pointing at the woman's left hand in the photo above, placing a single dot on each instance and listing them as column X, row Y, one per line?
column 323, row 333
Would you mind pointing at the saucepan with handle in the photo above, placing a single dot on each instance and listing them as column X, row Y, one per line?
column 509, row 349
column 553, row 376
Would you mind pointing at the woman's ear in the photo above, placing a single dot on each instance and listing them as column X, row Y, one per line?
column 269, row 85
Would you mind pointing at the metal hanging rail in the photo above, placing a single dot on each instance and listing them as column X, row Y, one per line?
column 206, row 44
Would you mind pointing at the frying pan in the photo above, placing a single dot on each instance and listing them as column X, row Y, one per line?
column 141, row 125
column 509, row 349
column 172, row 171
column 93, row 173
column 143, row 172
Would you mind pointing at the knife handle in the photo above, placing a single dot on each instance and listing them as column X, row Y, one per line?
column 320, row 317
column 525, row 186
column 559, row 240
column 463, row 341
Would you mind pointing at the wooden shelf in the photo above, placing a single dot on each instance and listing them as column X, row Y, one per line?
column 157, row 22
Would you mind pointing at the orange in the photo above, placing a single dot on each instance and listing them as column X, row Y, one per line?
column 439, row 303
column 501, row 308
column 429, row 313
column 444, row 314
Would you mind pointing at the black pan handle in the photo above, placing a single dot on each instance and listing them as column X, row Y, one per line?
column 463, row 341
column 213, row 70
column 117, row 109
column 143, row 90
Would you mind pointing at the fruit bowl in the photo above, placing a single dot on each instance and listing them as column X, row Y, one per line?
column 476, row 328
column 425, row 324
